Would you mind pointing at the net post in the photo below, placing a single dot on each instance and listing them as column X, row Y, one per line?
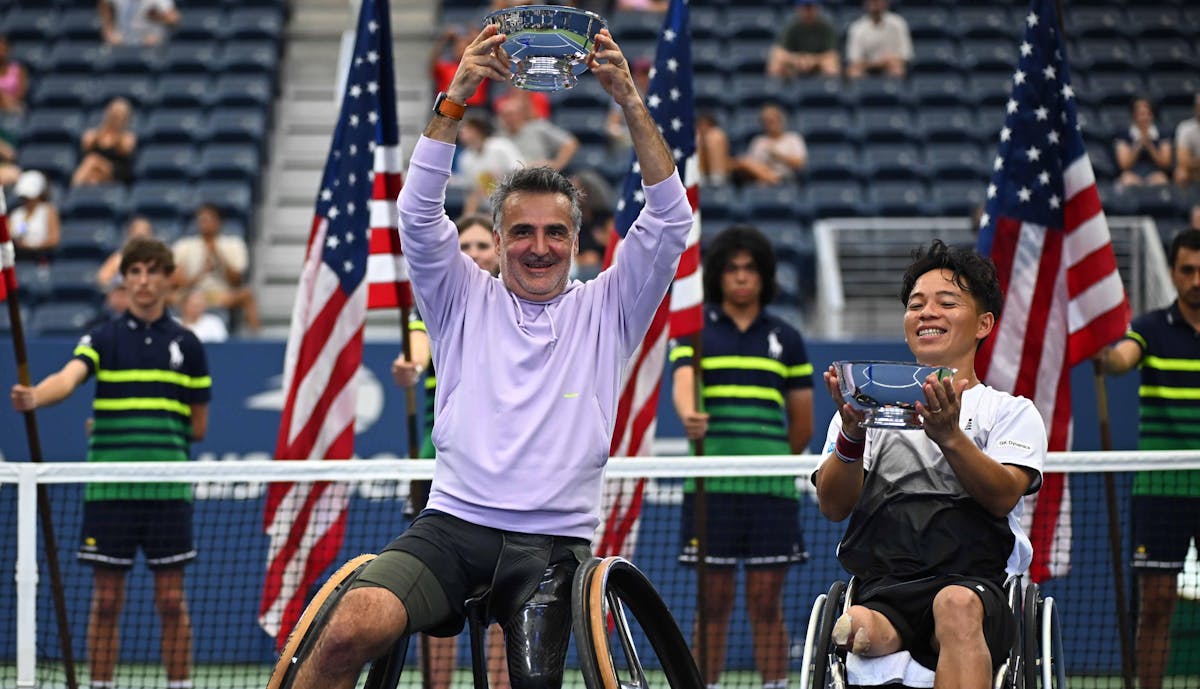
column 26, row 577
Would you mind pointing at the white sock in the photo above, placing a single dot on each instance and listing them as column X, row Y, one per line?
column 776, row 684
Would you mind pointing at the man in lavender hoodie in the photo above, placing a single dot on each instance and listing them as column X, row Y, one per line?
column 529, row 371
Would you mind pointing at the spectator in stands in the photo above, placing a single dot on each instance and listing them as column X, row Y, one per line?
column 753, row 366
column 443, row 62
column 643, row 5
column 537, row 101
column 540, row 142
column 216, row 264
column 136, row 22
column 1194, row 218
column 195, row 316
column 1143, row 156
column 807, row 45
column 512, row 504
column 775, row 156
column 1187, row 149
column 108, row 149
column 878, row 43
column 1166, row 504
column 109, row 274
column 712, row 149
column 614, row 126
column 14, row 81
column 483, row 159
column 158, row 405
column 476, row 240
column 598, row 204
column 935, row 514
column 35, row 225
column 10, row 171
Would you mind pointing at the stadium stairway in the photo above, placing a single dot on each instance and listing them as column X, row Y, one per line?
column 306, row 112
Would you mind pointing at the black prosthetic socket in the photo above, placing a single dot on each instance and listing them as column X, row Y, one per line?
column 536, row 636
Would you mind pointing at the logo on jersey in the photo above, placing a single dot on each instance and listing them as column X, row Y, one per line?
column 774, row 346
column 176, row 355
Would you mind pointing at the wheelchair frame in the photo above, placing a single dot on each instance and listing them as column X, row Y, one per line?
column 1035, row 661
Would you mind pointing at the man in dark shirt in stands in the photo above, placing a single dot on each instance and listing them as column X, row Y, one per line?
column 807, row 45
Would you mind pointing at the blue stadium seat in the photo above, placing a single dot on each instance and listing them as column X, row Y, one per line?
column 202, row 24
column 63, row 318
column 746, row 59
column 1168, row 55
column 12, row 126
column 62, row 91
column 887, row 125
column 892, row 161
column 835, row 199
column 828, row 125
column 235, row 199
column 876, row 91
column 32, row 23
column 752, row 90
column 1174, row 89
column 178, row 162
column 190, row 57
column 706, row 23
column 818, row 92
column 935, row 56
column 55, row 125
column 635, row 25
column 957, row 161
column 248, row 125
column 949, row 124
column 174, row 125
column 249, row 57
column 769, row 202
column 639, row 48
column 832, row 162
column 183, row 91
column 230, row 162
column 1151, row 20
column 123, row 59
column 898, row 198
column 100, row 202
column 1101, row 155
column 31, row 54
column 758, row 28
column 74, row 279
column 161, row 201
column 1159, row 202
column 956, row 197
column 240, row 90
column 56, row 161
column 937, row 89
column 587, row 94
column 1110, row 55
column 712, row 91
column 990, row 55
column 1111, row 89
column 708, row 56
column 991, row 91
column 987, row 22
column 88, row 239
column 73, row 57
column 720, row 206
column 79, row 23
column 255, row 23
column 787, row 283
column 139, row 89
column 1097, row 22
column 6, row 324
column 926, row 22
column 584, row 124
column 33, row 283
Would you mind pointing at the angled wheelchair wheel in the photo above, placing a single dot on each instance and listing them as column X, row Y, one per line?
column 614, row 589
column 1031, row 658
column 1053, row 665
column 827, row 668
column 384, row 672
column 1009, row 676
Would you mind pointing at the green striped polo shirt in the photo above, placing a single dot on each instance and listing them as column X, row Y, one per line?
column 147, row 377
column 746, row 377
column 415, row 324
column 1169, row 394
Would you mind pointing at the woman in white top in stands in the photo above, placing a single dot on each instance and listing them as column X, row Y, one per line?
column 35, row 223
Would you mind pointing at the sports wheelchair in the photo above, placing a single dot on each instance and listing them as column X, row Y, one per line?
column 603, row 591
column 1036, row 659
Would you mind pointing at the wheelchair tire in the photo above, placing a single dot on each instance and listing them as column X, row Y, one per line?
column 1010, row 676
column 1054, row 667
column 810, row 640
column 1031, row 636
column 613, row 586
column 822, row 672
column 312, row 621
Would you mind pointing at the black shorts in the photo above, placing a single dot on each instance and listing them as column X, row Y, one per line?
column 759, row 530
column 463, row 560
column 909, row 607
column 1163, row 527
column 113, row 530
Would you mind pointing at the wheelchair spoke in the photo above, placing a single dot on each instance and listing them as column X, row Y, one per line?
column 637, row 677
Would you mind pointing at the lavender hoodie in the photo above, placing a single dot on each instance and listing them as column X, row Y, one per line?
column 527, row 391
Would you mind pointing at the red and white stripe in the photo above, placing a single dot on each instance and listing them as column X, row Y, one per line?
column 680, row 314
column 387, row 270
column 1064, row 301
column 8, row 254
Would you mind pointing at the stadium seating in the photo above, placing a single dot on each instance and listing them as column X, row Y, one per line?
column 67, row 318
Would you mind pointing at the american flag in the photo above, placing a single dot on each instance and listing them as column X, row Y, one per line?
column 1045, row 229
column 353, row 263
column 8, row 273
column 669, row 98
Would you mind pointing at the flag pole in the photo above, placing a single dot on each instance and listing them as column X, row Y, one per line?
column 1114, row 531
column 418, row 491
column 45, row 516
column 700, row 519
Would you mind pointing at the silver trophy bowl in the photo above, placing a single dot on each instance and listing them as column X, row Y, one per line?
column 886, row 391
column 547, row 44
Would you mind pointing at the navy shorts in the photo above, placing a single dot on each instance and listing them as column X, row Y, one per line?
column 113, row 530
column 1163, row 527
column 909, row 607
column 759, row 530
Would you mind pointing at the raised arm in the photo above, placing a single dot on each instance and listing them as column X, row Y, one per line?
column 612, row 69
column 483, row 59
